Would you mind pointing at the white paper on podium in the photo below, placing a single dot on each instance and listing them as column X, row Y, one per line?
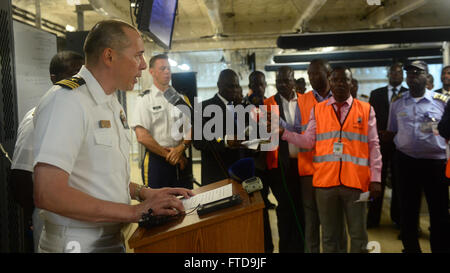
column 208, row 197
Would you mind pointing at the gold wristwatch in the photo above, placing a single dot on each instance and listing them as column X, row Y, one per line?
column 137, row 192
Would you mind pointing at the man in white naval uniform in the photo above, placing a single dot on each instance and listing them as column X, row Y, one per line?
column 81, row 150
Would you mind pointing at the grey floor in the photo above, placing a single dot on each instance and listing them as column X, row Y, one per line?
column 386, row 234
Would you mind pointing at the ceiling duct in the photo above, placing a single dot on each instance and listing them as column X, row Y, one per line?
column 388, row 53
column 350, row 63
column 308, row 13
column 109, row 9
column 394, row 9
column 374, row 37
column 211, row 7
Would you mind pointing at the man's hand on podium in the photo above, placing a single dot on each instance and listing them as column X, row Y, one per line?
column 162, row 201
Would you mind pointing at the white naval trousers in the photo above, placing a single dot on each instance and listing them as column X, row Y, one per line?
column 66, row 239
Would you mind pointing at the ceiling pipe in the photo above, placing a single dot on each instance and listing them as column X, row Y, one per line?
column 308, row 13
column 356, row 38
column 351, row 63
column 392, row 10
column 360, row 54
column 107, row 8
column 211, row 7
column 37, row 5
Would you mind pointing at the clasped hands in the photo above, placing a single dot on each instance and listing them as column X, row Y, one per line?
column 176, row 156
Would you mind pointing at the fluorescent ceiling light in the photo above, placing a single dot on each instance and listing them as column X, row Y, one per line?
column 172, row 62
column 73, row 2
column 70, row 28
column 184, row 67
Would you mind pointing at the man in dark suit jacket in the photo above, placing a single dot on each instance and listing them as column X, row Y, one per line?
column 380, row 99
column 221, row 152
column 283, row 169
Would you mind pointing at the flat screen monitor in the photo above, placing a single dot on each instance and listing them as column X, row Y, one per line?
column 156, row 19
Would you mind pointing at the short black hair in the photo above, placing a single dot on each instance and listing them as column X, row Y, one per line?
column 300, row 81
column 63, row 60
column 322, row 62
column 287, row 69
column 444, row 68
column 106, row 34
column 254, row 75
column 340, row 67
column 157, row 57
column 396, row 64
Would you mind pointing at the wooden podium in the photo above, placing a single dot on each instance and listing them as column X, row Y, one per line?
column 237, row 229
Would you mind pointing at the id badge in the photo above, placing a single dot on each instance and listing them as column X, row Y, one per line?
column 338, row 148
column 434, row 128
column 428, row 127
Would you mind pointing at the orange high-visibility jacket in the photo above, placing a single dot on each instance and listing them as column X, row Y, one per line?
column 272, row 156
column 305, row 156
column 352, row 168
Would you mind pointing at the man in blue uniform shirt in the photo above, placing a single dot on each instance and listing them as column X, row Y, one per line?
column 421, row 152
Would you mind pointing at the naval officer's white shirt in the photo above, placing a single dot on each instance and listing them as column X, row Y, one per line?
column 23, row 150
column 23, row 160
column 68, row 135
column 156, row 114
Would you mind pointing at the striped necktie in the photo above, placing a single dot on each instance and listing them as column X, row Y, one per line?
column 394, row 94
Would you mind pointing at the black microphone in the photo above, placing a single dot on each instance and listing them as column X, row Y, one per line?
column 174, row 98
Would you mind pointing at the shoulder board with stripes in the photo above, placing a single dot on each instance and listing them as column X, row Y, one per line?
column 187, row 100
column 71, row 83
column 442, row 97
column 144, row 93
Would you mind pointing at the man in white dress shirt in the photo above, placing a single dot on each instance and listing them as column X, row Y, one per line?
column 81, row 150
column 155, row 118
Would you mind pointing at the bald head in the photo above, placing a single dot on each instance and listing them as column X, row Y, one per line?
column 319, row 71
column 285, row 82
column 229, row 87
column 257, row 83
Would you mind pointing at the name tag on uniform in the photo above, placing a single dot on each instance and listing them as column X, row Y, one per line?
column 429, row 127
column 105, row 124
column 338, row 149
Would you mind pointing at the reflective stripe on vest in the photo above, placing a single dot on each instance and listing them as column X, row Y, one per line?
column 352, row 168
column 271, row 156
column 346, row 135
column 345, row 157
